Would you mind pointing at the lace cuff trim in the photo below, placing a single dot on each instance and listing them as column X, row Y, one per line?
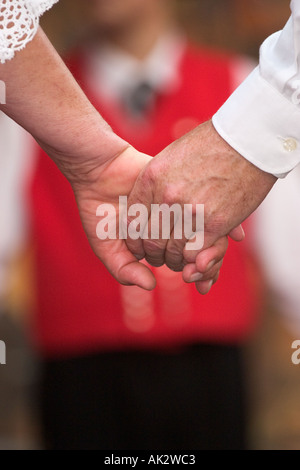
column 19, row 21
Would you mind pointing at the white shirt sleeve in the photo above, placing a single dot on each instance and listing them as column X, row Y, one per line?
column 19, row 23
column 261, row 119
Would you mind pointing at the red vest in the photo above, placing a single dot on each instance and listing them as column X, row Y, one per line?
column 81, row 308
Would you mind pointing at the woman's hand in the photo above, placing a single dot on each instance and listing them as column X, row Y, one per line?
column 104, row 184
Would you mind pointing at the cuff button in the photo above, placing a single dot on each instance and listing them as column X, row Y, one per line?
column 290, row 144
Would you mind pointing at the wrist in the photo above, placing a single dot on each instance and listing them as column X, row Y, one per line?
column 56, row 111
column 249, row 183
column 92, row 147
column 84, row 149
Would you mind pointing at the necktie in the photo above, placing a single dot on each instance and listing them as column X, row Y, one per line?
column 139, row 99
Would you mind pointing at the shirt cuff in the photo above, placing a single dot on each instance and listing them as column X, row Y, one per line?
column 262, row 125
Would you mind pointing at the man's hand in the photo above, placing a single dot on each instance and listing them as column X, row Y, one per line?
column 200, row 168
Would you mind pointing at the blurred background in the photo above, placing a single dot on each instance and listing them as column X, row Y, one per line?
column 271, row 380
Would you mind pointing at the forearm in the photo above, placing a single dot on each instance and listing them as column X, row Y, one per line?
column 44, row 98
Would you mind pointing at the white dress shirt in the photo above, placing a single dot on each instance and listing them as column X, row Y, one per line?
column 261, row 120
column 112, row 73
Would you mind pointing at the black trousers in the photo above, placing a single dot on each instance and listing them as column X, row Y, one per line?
column 190, row 399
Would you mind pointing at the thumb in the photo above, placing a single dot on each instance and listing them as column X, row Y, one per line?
column 124, row 267
column 136, row 273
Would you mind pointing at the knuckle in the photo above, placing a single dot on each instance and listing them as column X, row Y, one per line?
column 174, row 256
column 215, row 223
column 176, row 247
column 154, row 247
column 151, row 173
column 171, row 194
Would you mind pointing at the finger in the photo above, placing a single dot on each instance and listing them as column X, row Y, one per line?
column 205, row 262
column 175, row 246
column 134, row 240
column 174, row 254
column 155, row 252
column 213, row 273
column 137, row 215
column 191, row 274
column 123, row 265
column 205, row 287
column 135, row 273
column 237, row 234
column 187, row 235
column 211, row 256
column 160, row 227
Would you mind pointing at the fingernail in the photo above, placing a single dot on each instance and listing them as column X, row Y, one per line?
column 211, row 265
column 139, row 257
column 210, row 285
column 196, row 277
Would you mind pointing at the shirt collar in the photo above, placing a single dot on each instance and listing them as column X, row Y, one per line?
column 118, row 72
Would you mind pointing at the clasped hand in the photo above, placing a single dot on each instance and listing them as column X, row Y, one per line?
column 200, row 168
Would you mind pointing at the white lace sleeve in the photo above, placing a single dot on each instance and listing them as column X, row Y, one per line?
column 19, row 21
